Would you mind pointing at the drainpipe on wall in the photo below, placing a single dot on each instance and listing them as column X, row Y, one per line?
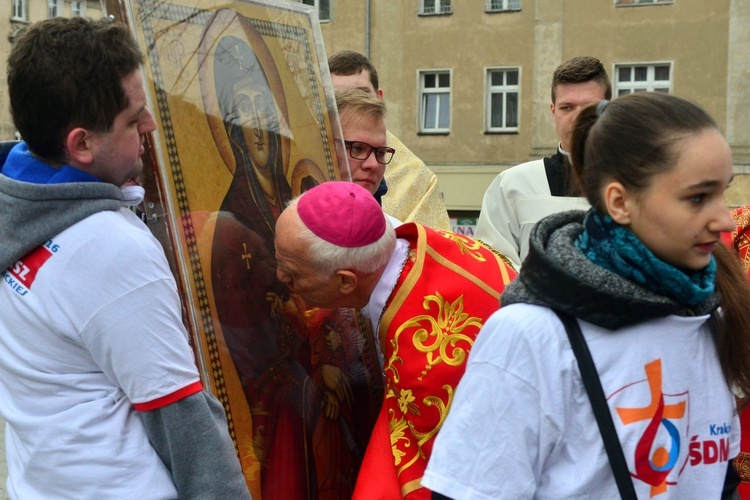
column 367, row 29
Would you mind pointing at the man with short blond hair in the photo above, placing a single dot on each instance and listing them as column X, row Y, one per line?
column 362, row 120
column 410, row 191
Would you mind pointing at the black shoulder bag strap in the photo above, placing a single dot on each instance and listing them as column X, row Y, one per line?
column 599, row 404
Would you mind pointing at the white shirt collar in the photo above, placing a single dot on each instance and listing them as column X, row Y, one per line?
column 373, row 310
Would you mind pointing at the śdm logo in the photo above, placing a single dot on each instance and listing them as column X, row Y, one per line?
column 653, row 464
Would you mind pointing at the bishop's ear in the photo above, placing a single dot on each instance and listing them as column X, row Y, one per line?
column 347, row 281
column 619, row 202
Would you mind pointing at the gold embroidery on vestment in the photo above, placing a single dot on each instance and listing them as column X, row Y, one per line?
column 465, row 245
column 439, row 332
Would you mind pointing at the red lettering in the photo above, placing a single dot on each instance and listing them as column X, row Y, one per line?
column 695, row 451
column 724, row 449
column 25, row 269
column 710, row 452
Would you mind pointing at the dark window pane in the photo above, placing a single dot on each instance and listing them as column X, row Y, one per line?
column 429, row 80
column 661, row 72
column 511, row 77
column 623, row 74
column 496, row 78
column 511, row 118
column 641, row 73
column 623, row 92
column 496, row 110
column 445, row 80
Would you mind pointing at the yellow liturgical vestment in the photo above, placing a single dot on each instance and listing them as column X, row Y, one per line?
column 413, row 192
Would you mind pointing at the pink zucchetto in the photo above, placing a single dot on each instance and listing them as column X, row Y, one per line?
column 342, row 213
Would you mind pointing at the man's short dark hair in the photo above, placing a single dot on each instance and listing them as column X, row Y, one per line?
column 581, row 69
column 65, row 73
column 348, row 62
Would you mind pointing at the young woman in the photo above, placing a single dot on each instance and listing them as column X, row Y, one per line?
column 645, row 276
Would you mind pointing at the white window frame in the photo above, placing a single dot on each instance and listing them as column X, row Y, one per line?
column 502, row 5
column 319, row 4
column 505, row 90
column 20, row 10
column 425, row 92
column 435, row 7
column 54, row 8
column 78, row 8
column 640, row 3
column 649, row 84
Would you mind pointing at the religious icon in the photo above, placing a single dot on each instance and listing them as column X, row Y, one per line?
column 246, row 121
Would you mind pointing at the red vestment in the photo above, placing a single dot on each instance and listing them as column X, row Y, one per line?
column 447, row 289
column 740, row 240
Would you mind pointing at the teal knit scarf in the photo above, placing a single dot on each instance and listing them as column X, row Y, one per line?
column 615, row 248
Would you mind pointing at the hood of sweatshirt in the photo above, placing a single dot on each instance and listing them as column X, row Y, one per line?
column 556, row 274
column 31, row 214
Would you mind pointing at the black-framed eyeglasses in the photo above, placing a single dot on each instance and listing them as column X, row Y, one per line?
column 361, row 151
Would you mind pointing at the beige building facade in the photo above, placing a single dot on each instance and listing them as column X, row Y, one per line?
column 467, row 82
column 691, row 48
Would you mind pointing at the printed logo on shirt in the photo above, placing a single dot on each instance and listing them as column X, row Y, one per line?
column 21, row 275
column 659, row 454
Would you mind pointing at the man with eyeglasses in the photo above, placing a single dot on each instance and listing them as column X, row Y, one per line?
column 409, row 191
column 363, row 127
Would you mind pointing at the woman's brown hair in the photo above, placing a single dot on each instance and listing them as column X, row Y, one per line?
column 634, row 138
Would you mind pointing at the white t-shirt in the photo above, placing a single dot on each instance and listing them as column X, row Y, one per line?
column 90, row 326
column 521, row 424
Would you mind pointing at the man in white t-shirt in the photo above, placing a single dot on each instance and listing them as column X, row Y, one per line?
column 98, row 383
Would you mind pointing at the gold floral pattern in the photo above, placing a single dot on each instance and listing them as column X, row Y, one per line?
column 466, row 245
column 741, row 235
column 398, row 433
column 406, row 402
column 742, row 464
column 439, row 336
column 442, row 408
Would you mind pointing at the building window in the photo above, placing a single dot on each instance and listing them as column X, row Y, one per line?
column 642, row 78
column 641, row 2
column 433, row 7
column 78, row 8
column 435, row 107
column 502, row 5
column 53, row 8
column 324, row 8
column 503, row 103
column 20, row 10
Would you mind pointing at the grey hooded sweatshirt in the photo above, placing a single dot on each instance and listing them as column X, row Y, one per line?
column 191, row 435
